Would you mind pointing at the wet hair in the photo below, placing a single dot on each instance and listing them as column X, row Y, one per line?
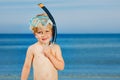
column 35, row 29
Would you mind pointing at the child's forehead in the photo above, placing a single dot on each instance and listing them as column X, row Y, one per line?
column 44, row 28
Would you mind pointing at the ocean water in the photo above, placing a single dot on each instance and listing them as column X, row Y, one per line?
column 87, row 56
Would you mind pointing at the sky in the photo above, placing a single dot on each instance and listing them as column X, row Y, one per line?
column 71, row 16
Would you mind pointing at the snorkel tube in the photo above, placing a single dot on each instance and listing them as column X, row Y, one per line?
column 54, row 29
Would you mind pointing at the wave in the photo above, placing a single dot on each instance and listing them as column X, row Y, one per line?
column 13, row 47
column 69, row 76
column 90, row 45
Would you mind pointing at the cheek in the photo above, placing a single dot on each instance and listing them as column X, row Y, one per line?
column 37, row 36
column 50, row 35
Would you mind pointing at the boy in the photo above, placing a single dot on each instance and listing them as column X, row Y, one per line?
column 45, row 57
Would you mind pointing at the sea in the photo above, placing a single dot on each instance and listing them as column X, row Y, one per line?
column 86, row 56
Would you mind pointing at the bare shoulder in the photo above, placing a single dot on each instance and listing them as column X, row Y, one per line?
column 31, row 48
column 56, row 46
column 57, row 49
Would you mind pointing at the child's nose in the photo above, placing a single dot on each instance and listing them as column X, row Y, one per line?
column 44, row 34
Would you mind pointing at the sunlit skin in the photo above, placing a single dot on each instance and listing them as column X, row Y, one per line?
column 45, row 58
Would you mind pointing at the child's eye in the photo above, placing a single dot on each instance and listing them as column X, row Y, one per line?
column 40, row 32
column 47, row 31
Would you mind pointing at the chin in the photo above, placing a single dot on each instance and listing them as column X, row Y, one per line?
column 46, row 42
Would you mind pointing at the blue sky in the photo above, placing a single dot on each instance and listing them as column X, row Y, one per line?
column 72, row 16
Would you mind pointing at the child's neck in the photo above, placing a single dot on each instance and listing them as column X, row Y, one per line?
column 44, row 44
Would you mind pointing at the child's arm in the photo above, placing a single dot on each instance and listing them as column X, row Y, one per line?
column 27, row 65
column 56, row 60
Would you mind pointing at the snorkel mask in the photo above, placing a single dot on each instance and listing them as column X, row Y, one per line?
column 40, row 19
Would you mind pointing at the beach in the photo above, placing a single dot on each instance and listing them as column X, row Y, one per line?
column 87, row 56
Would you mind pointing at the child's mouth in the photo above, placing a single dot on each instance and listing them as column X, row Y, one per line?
column 44, row 39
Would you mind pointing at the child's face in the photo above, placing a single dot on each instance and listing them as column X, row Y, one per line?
column 44, row 34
